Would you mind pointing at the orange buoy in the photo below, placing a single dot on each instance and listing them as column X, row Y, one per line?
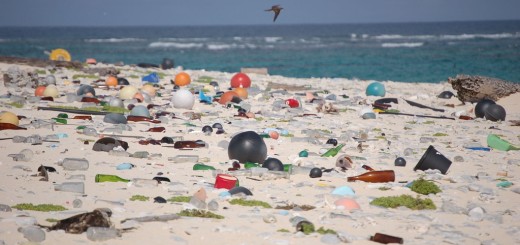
column 242, row 92
column 111, row 81
column 182, row 79
column 39, row 91
column 227, row 97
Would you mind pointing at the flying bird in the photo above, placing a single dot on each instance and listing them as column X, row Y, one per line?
column 276, row 9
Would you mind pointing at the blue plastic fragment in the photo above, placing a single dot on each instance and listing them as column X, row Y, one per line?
column 151, row 78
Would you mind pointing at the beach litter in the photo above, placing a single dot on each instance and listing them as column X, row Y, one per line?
column 181, row 160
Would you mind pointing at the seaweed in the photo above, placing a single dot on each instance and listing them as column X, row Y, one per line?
column 199, row 214
column 139, row 198
column 244, row 202
column 324, row 231
column 440, row 134
column 424, row 187
column 179, row 199
column 404, row 200
column 39, row 207
column 292, row 206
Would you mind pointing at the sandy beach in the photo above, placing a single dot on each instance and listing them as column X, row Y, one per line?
column 479, row 202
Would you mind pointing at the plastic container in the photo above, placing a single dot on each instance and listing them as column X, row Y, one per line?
column 102, row 233
column 78, row 187
column 184, row 158
column 137, row 182
column 73, row 164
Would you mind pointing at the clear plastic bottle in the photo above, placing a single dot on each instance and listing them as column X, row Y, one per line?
column 102, row 233
column 78, row 187
column 24, row 155
column 73, row 164
column 137, row 182
column 184, row 158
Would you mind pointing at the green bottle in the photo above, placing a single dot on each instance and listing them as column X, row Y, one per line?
column 248, row 165
column 202, row 166
column 332, row 152
column 109, row 178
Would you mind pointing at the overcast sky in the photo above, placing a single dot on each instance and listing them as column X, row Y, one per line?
column 245, row 12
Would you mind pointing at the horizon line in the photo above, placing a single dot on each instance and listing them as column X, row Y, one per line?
column 265, row 25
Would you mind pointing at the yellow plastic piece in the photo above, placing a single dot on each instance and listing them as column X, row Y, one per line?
column 60, row 55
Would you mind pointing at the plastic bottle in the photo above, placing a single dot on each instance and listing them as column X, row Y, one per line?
column 375, row 176
column 73, row 164
column 385, row 239
column 102, row 233
column 184, row 158
column 78, row 187
column 109, row 178
column 333, row 151
column 33, row 233
column 137, row 182
column 24, row 155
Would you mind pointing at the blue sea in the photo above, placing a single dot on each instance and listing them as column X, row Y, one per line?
column 404, row 52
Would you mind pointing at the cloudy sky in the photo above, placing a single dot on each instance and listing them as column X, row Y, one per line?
column 247, row 12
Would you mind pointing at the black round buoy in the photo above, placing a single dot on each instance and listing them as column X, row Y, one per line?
column 315, row 173
column 333, row 142
column 122, row 81
column 167, row 64
column 85, row 89
column 495, row 113
column 273, row 164
column 247, row 147
column 207, row 130
column 400, row 162
column 445, row 95
column 480, row 108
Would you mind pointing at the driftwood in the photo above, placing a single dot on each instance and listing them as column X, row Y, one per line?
column 40, row 62
column 475, row 88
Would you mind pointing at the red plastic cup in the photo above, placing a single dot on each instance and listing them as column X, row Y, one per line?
column 225, row 181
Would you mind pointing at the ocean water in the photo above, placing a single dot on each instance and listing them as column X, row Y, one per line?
column 404, row 52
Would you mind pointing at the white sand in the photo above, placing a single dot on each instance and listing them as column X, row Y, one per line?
column 450, row 223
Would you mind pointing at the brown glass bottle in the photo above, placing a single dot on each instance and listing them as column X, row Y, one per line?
column 141, row 119
column 375, row 176
column 385, row 239
column 189, row 144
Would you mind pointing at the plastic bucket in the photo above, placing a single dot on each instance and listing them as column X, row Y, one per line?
column 432, row 159
column 225, row 181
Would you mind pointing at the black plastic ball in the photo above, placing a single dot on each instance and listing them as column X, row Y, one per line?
column 207, row 129
column 273, row 164
column 315, row 173
column 167, row 140
column 85, row 89
column 495, row 113
column 122, row 81
column 445, row 95
column 217, row 125
column 333, row 142
column 480, row 108
column 167, row 64
column 400, row 162
column 247, row 147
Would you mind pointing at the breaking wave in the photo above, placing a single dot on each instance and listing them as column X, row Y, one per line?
column 401, row 45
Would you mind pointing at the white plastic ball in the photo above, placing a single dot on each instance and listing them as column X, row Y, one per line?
column 127, row 92
column 183, row 99
column 51, row 91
